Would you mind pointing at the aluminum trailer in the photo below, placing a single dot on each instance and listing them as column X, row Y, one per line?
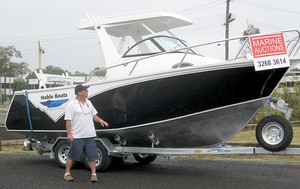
column 107, row 151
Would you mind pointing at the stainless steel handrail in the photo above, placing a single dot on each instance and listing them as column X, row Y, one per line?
column 187, row 49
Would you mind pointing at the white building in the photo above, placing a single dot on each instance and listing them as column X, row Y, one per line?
column 6, row 85
column 53, row 81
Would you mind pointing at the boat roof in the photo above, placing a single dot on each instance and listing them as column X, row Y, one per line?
column 125, row 25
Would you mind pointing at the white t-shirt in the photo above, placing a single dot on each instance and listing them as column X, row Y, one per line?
column 81, row 117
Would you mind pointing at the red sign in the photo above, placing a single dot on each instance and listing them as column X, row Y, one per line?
column 269, row 51
column 267, row 45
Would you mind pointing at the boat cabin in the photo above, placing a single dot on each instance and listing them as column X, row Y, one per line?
column 151, row 51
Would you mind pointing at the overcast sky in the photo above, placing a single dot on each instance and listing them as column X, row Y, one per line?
column 55, row 22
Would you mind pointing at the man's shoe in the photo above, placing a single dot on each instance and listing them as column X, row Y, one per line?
column 68, row 177
column 94, row 178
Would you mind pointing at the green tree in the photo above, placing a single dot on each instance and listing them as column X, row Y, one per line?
column 98, row 72
column 19, row 84
column 4, row 98
column 77, row 73
column 290, row 97
column 18, row 69
column 54, row 70
column 9, row 68
column 251, row 30
column 31, row 75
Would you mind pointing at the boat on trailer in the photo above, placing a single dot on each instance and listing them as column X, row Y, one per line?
column 160, row 94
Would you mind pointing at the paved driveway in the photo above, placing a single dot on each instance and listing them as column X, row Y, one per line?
column 29, row 170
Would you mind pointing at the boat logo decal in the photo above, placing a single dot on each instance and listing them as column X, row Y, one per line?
column 54, row 103
column 54, row 100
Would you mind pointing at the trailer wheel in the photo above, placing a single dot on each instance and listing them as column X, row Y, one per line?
column 104, row 159
column 144, row 158
column 117, row 159
column 274, row 133
column 61, row 152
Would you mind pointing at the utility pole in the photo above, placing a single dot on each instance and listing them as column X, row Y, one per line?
column 228, row 20
column 40, row 51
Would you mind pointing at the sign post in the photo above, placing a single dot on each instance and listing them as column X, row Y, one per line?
column 269, row 51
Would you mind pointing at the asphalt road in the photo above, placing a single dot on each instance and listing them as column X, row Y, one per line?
column 29, row 170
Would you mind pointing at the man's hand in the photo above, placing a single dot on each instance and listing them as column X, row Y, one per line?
column 103, row 123
column 69, row 134
column 70, row 137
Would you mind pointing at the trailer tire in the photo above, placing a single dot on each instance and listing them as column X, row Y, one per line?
column 61, row 152
column 104, row 159
column 116, row 160
column 144, row 158
column 274, row 133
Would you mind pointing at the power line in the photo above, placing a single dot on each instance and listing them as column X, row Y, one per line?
column 258, row 22
column 264, row 6
column 201, row 7
column 208, row 18
column 57, row 43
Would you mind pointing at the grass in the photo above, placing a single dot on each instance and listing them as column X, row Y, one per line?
column 2, row 109
column 249, row 157
column 13, row 149
column 249, row 137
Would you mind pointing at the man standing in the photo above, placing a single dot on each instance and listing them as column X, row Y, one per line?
column 79, row 116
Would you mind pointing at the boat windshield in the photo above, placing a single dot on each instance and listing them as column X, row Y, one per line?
column 157, row 44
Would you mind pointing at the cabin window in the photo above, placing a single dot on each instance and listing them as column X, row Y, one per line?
column 170, row 44
column 145, row 47
column 154, row 45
